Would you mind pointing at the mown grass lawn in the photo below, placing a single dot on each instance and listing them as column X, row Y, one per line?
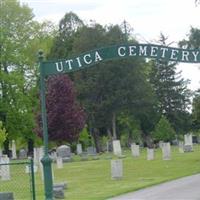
column 91, row 180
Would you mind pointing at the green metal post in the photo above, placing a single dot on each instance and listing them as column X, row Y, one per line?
column 32, row 179
column 46, row 160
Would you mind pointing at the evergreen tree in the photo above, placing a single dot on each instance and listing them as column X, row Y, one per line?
column 163, row 130
column 63, row 42
column 196, row 111
column 193, row 42
column 110, row 88
column 3, row 134
column 172, row 93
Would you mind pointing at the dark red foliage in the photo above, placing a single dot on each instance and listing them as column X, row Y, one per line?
column 65, row 117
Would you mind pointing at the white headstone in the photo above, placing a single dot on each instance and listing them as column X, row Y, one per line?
column 64, row 151
column 5, row 169
column 91, row 151
column 161, row 144
column 188, row 139
column 53, row 156
column 166, row 151
column 22, row 154
column 116, row 169
column 117, row 148
column 181, row 147
column 107, row 146
column 36, row 156
column 188, row 146
column 28, row 170
column 0, row 152
column 150, row 154
column 59, row 162
column 135, row 149
column 14, row 155
column 41, row 154
column 79, row 149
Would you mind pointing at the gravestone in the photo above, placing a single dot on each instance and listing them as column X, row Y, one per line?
column 63, row 185
column 58, row 193
column 14, row 155
column 84, row 156
column 6, row 196
column 28, row 169
column 91, row 151
column 5, row 169
column 109, row 146
column 117, row 148
column 188, row 146
column 53, row 156
column 198, row 139
column 22, row 154
column 135, row 149
column 150, row 154
column 160, row 144
column 79, row 149
column 181, row 147
column 36, row 156
column 166, row 151
column 40, row 156
column 64, row 152
column 0, row 152
column 116, row 169
column 59, row 162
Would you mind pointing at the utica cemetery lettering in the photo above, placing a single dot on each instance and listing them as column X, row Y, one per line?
column 121, row 51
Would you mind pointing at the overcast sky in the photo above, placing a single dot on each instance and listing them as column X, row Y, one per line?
column 147, row 18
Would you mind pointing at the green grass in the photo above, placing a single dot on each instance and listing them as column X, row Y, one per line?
column 91, row 180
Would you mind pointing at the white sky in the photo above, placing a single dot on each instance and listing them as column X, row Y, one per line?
column 147, row 18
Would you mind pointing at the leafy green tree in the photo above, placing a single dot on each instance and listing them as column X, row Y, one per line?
column 193, row 41
column 19, row 43
column 85, row 138
column 172, row 93
column 3, row 134
column 130, row 129
column 196, row 111
column 63, row 42
column 110, row 88
column 163, row 130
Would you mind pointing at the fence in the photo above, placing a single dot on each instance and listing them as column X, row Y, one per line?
column 17, row 179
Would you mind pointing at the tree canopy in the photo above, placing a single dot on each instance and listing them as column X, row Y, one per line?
column 21, row 37
column 124, row 97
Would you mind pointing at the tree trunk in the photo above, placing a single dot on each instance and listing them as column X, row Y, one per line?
column 95, row 134
column 6, row 148
column 30, row 147
column 114, row 126
column 109, row 134
column 148, row 140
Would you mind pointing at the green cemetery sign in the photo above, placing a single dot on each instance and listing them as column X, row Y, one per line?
column 94, row 57
column 121, row 51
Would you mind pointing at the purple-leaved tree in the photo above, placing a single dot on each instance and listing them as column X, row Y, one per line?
column 64, row 115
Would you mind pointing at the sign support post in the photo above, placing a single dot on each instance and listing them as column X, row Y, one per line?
column 46, row 160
